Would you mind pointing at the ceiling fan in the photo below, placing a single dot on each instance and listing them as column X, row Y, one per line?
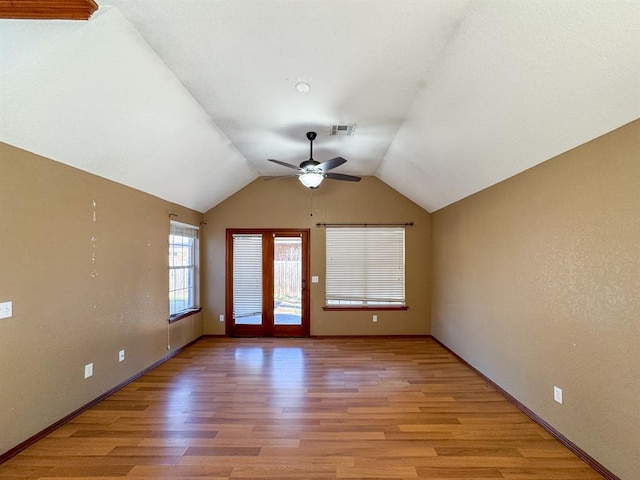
column 311, row 173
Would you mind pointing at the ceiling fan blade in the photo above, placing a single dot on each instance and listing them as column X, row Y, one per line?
column 279, row 177
column 284, row 164
column 342, row 176
column 330, row 164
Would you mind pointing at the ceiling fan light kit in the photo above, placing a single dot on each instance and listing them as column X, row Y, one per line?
column 311, row 173
column 311, row 179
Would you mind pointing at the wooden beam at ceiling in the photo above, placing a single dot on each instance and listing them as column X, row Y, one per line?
column 47, row 9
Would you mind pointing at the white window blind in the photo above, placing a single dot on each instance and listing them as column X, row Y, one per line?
column 365, row 266
column 183, row 256
column 247, row 276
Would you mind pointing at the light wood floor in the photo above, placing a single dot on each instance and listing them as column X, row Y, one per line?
column 303, row 409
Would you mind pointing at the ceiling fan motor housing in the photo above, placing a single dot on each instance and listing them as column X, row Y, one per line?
column 308, row 165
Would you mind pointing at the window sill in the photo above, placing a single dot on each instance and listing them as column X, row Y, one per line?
column 183, row 314
column 345, row 308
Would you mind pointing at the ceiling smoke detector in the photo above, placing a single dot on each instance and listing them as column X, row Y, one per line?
column 303, row 87
column 347, row 130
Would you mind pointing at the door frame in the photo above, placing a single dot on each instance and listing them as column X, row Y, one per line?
column 268, row 329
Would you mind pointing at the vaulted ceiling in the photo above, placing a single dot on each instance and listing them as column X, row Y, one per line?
column 186, row 99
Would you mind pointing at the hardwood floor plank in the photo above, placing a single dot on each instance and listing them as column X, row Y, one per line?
column 477, row 452
column 548, row 473
column 91, row 471
column 459, row 473
column 16, row 471
column 182, row 472
column 378, row 472
column 223, row 451
column 302, row 409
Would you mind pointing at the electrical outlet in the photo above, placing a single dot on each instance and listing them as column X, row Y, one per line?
column 375, row 318
column 557, row 394
column 88, row 370
column 6, row 309
column 121, row 356
column 221, row 318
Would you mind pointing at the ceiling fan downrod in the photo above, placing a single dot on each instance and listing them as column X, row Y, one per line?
column 311, row 136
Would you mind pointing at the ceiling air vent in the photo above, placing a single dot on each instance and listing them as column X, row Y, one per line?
column 342, row 130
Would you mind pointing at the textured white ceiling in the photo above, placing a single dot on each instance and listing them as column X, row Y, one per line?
column 186, row 99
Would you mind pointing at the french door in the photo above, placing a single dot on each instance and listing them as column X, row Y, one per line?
column 267, row 278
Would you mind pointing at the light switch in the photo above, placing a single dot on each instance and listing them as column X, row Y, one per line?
column 314, row 279
column 6, row 309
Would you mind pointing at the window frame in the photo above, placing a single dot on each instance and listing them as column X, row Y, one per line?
column 193, row 265
column 382, row 306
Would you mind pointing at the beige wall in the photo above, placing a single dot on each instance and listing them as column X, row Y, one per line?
column 81, row 289
column 537, row 283
column 285, row 203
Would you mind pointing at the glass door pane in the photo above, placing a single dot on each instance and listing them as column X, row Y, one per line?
column 247, row 279
column 287, row 280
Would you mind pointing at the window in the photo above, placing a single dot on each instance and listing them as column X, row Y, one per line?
column 183, row 265
column 365, row 267
column 247, row 278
